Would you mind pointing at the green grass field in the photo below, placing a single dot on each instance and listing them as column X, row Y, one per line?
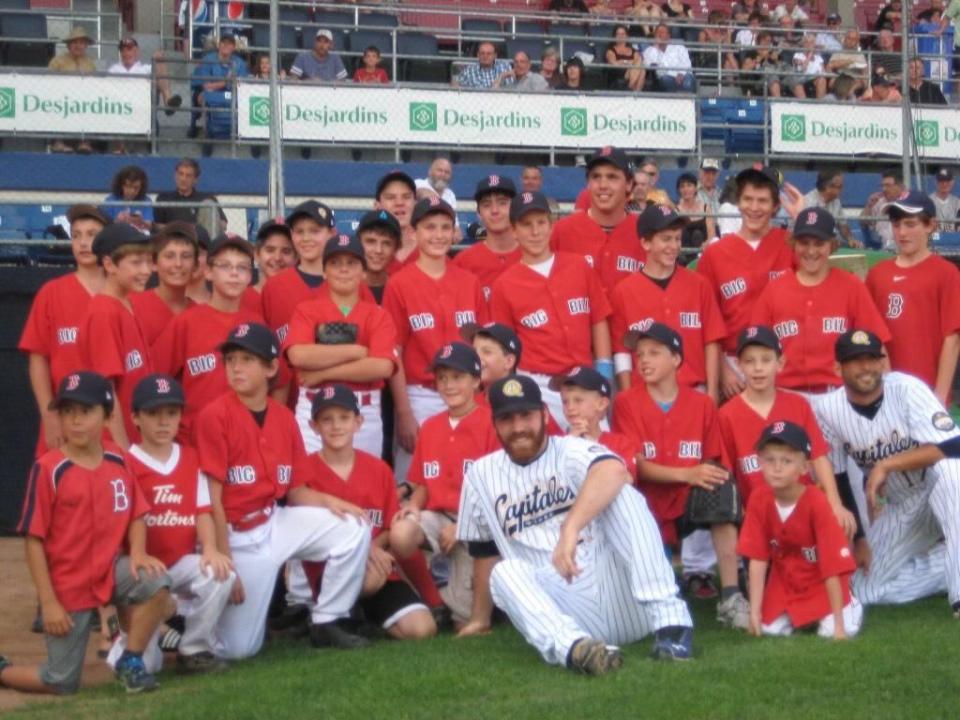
column 904, row 665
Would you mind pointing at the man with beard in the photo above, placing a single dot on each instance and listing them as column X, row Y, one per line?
column 582, row 568
column 907, row 445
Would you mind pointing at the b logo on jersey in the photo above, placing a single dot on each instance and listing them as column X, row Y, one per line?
column 689, row 319
column 421, row 321
column 787, row 328
column 538, row 318
column 734, row 287
column 241, row 475
column 121, row 501
column 431, row 470
column 464, row 317
column 834, row 325
column 284, row 473
column 534, row 508
column 809, row 553
column 690, row 449
column 579, row 306
column 133, row 360
column 649, row 450
column 894, row 306
column 67, row 335
column 202, row 364
column 589, row 259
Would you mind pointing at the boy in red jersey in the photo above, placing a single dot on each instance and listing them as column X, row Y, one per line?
column 919, row 295
column 739, row 266
column 111, row 341
column 498, row 250
column 175, row 259
column 81, row 505
column 187, row 348
column 553, row 302
column 447, row 445
column 429, row 300
column 178, row 522
column 667, row 293
column 681, row 448
column 274, row 252
column 339, row 337
column 51, row 333
column 356, row 477
column 605, row 234
column 397, row 194
column 800, row 563
column 379, row 233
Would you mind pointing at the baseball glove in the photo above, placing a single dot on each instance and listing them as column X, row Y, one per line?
column 712, row 507
column 336, row 333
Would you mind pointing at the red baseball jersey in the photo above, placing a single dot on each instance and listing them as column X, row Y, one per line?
column 803, row 551
column 256, row 465
column 375, row 329
column 687, row 305
column 623, row 446
column 396, row 266
column 486, row 264
column 921, row 305
column 112, row 344
column 686, row 435
column 614, row 253
column 82, row 517
column 445, row 452
column 553, row 316
column 738, row 274
column 187, row 349
column 371, row 486
column 178, row 493
column 741, row 426
column 153, row 314
column 428, row 313
column 251, row 300
column 808, row 321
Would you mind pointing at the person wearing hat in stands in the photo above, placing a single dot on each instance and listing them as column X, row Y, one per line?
column 828, row 40
column 214, row 78
column 74, row 60
column 274, row 253
column 379, row 233
column 187, row 347
column 947, row 204
column 499, row 249
column 319, row 63
column 919, row 294
column 708, row 190
column 883, row 91
column 397, row 194
column 50, row 334
column 826, row 195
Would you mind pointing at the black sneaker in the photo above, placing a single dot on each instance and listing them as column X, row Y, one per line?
column 133, row 675
column 443, row 618
column 173, row 103
column 37, row 625
column 335, row 635
column 201, row 662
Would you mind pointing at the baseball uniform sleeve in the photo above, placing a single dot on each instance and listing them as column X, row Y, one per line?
column 948, row 299
column 471, row 524
column 500, row 310
column 103, row 345
column 415, row 471
column 37, row 331
column 714, row 328
column 382, row 336
column 302, row 327
column 727, row 428
column 762, row 313
column 141, row 506
column 37, row 503
column 618, row 319
column 838, row 458
column 210, row 438
column 203, row 493
column 167, row 353
column 300, row 465
column 579, row 456
column 818, row 444
column 833, row 552
column 713, row 446
column 393, row 304
column 753, row 542
column 865, row 314
column 927, row 420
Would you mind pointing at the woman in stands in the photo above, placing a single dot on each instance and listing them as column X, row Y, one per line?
column 129, row 185
column 645, row 15
column 621, row 54
column 701, row 227
column 550, row 68
column 573, row 75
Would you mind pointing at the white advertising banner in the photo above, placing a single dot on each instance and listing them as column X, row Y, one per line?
column 937, row 133
column 452, row 117
column 75, row 104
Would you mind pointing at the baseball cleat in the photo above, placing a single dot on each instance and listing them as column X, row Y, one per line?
column 956, row 610
column 201, row 662
column 673, row 643
column 133, row 675
column 734, row 612
column 593, row 657
column 699, row 586
column 335, row 635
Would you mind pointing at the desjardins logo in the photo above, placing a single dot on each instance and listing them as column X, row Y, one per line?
column 423, row 116
column 927, row 133
column 793, row 128
column 259, row 111
column 8, row 102
column 573, row 121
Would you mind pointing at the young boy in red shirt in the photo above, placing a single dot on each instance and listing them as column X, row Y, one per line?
column 800, row 562
column 274, row 253
column 379, row 233
column 81, row 506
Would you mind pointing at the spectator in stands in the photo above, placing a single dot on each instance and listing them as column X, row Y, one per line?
column 714, row 35
column 828, row 40
column 520, row 77
column 483, row 73
column 628, row 72
column 677, row 13
column 886, row 58
column 261, row 68
column 645, row 16
column 370, row 70
column 788, row 37
column 948, row 204
column 747, row 37
column 74, row 60
column 573, row 74
column 700, row 225
column 741, row 10
column 882, row 91
column 129, row 185
column 791, row 8
column 568, row 6
column 214, row 80
column 531, row 179
column 729, row 219
column 764, row 61
column 320, row 63
column 186, row 197
column 850, row 60
column 670, row 61
column 923, row 92
column 437, row 182
column 826, row 195
column 603, row 8
column 130, row 64
column 655, row 195
column 889, row 16
column 807, row 78
column 638, row 194
column 708, row 190
column 843, row 90
column 550, row 67
column 873, row 218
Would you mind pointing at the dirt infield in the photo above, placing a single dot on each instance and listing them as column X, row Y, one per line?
column 17, row 643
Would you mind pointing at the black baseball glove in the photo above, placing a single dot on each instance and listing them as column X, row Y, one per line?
column 713, row 507
column 336, row 333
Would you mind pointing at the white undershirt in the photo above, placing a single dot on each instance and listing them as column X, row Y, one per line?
column 545, row 267
column 785, row 511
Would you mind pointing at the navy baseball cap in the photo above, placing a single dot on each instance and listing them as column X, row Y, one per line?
column 274, row 225
column 501, row 334
column 432, row 205
column 180, row 229
column 857, row 343
column 337, row 395
column 527, row 202
column 393, row 175
column 913, row 202
column 515, row 393
column 316, row 211
column 583, row 376
column 85, row 388
column 116, row 236
column 663, row 334
column 380, row 219
column 612, row 156
column 816, row 223
column 944, row 173
column 82, row 211
column 203, row 237
column 229, row 240
column 655, row 218
column 763, row 176
column 344, row 245
column 254, row 338
column 494, row 184
column 458, row 356
column 785, row 433
column 758, row 335
column 157, row 390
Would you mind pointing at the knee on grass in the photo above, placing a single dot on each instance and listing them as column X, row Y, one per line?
column 417, row 625
column 406, row 538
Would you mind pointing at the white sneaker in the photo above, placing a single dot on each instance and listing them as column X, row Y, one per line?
column 734, row 612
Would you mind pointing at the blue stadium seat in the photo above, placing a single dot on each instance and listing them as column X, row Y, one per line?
column 334, row 20
column 481, row 26
column 744, row 112
column 569, row 48
column 568, row 29
column 299, row 15
column 533, row 47
column 947, row 240
column 359, row 40
column 377, row 20
column 421, row 69
column 713, row 111
column 32, row 48
column 529, row 27
column 288, row 36
column 14, row 4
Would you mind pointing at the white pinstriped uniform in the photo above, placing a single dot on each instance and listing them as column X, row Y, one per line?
column 626, row 589
column 916, row 537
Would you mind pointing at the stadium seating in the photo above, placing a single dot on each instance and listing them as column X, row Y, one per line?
column 421, row 69
column 26, row 43
column 360, row 40
column 377, row 20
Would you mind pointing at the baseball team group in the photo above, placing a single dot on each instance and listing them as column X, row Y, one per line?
column 353, row 437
